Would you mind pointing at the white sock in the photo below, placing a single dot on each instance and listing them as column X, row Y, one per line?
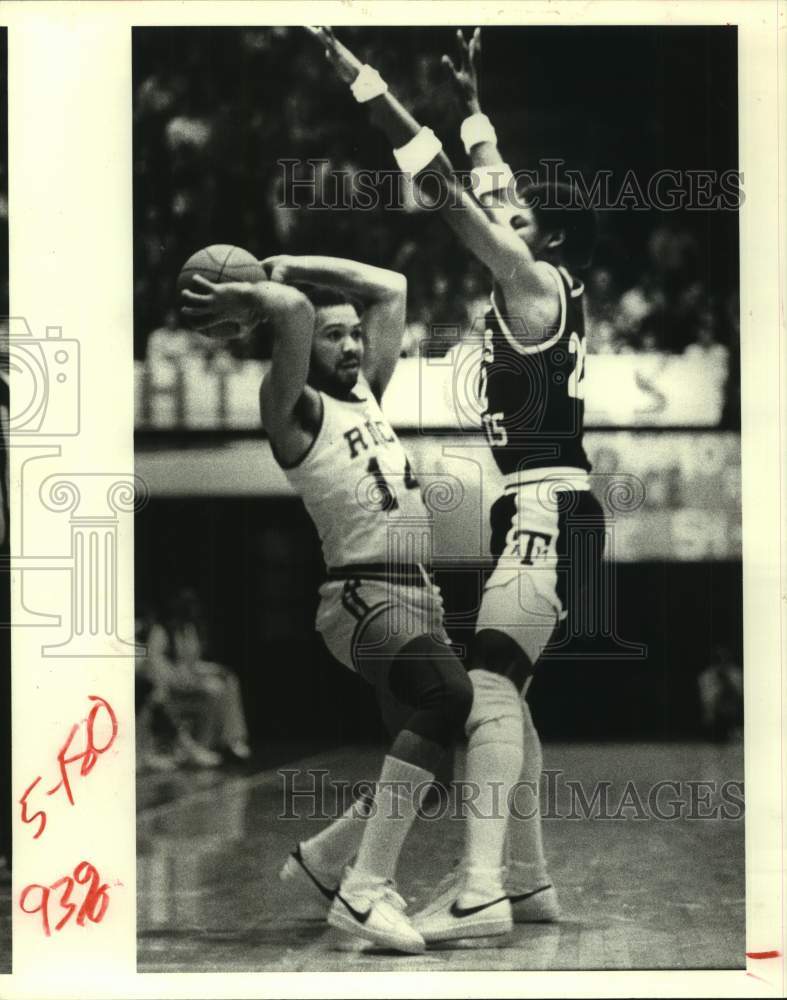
column 460, row 777
column 527, row 868
column 400, row 790
column 335, row 846
column 494, row 762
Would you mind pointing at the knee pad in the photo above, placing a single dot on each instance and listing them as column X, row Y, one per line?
column 426, row 677
column 496, row 715
column 497, row 653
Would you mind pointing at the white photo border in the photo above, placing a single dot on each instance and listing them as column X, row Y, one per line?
column 70, row 215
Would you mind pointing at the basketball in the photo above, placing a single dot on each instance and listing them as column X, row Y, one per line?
column 220, row 263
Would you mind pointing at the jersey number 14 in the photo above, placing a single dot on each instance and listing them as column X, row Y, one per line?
column 384, row 495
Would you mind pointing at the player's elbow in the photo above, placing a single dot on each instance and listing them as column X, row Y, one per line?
column 397, row 286
column 301, row 313
column 285, row 302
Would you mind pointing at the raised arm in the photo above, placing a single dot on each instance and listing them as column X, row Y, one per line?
column 419, row 153
column 288, row 406
column 382, row 293
column 491, row 174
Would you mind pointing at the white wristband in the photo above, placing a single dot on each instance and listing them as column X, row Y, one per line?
column 368, row 85
column 418, row 152
column 477, row 128
column 490, row 177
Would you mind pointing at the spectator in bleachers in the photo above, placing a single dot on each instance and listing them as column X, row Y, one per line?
column 206, row 695
column 601, row 312
column 707, row 349
column 475, row 296
column 637, row 305
column 163, row 741
column 720, row 688
column 172, row 341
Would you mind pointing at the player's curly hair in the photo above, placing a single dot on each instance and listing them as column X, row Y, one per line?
column 323, row 295
column 557, row 205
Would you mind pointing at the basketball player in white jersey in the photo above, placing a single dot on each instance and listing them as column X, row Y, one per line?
column 380, row 613
column 532, row 374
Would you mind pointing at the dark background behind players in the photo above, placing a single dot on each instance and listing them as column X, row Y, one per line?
column 214, row 109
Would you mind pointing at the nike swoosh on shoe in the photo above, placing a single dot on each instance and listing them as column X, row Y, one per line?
column 360, row 917
column 528, row 895
column 467, row 911
column 328, row 893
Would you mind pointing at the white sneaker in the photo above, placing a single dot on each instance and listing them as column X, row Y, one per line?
column 446, row 891
column 304, row 881
column 539, row 906
column 461, row 912
column 372, row 910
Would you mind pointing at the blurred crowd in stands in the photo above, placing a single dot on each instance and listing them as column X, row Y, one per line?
column 213, row 118
column 189, row 710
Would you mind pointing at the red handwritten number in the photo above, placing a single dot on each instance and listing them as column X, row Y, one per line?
column 40, row 815
column 68, row 882
column 93, row 907
column 97, row 895
column 87, row 757
column 42, row 907
column 91, row 753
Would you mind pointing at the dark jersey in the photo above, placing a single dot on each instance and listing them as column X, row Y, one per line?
column 532, row 395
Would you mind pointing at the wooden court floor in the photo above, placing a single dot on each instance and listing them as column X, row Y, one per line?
column 637, row 891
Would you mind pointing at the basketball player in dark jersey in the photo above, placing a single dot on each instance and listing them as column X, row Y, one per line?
column 532, row 396
column 556, row 422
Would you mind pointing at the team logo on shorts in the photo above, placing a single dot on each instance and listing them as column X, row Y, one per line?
column 531, row 546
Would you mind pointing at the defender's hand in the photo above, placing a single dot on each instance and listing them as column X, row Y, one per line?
column 347, row 66
column 465, row 77
column 231, row 301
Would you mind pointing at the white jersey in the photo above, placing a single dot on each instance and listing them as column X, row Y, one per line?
column 356, row 483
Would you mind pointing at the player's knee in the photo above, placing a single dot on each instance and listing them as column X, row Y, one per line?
column 435, row 685
column 428, row 676
column 457, row 700
column 496, row 712
column 498, row 653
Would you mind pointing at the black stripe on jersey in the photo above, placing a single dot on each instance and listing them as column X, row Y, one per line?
column 372, row 615
column 352, row 600
column 396, row 574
